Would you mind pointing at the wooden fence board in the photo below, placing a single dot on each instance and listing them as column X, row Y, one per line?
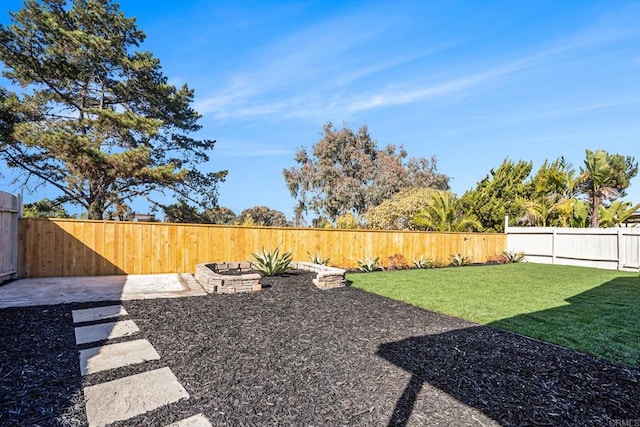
column 64, row 247
column 9, row 207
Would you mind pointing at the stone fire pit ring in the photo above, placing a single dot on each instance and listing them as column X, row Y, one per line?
column 213, row 279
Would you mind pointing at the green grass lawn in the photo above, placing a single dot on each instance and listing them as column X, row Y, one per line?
column 589, row 310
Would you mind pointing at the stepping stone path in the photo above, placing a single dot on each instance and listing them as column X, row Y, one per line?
column 105, row 331
column 130, row 396
column 116, row 355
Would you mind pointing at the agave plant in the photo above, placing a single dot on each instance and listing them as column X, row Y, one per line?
column 423, row 262
column 459, row 260
column 369, row 264
column 514, row 257
column 272, row 262
column 318, row 259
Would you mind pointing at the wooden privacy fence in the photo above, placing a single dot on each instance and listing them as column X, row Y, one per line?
column 609, row 248
column 9, row 206
column 61, row 247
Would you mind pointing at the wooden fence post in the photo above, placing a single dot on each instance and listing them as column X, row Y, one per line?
column 9, row 211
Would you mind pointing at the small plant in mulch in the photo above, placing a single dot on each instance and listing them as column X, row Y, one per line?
column 272, row 262
column 397, row 262
column 318, row 259
column 369, row 264
column 458, row 260
column 424, row 263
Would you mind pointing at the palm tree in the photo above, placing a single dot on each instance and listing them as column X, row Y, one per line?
column 444, row 213
column 536, row 212
column 553, row 201
column 600, row 182
column 616, row 213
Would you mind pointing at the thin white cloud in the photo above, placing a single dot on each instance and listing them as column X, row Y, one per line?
column 312, row 103
column 422, row 92
column 318, row 62
column 326, row 71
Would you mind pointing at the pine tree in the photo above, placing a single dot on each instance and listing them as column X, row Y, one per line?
column 93, row 116
column 499, row 194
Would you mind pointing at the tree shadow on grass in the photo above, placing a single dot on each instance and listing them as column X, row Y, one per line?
column 604, row 321
column 516, row 380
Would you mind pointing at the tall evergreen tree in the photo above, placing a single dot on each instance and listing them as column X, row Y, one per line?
column 44, row 208
column 499, row 194
column 93, row 116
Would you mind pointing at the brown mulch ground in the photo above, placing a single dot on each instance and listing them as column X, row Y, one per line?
column 295, row 355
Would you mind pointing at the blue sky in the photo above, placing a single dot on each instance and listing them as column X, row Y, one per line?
column 467, row 81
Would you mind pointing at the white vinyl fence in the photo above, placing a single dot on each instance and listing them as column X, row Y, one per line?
column 9, row 209
column 609, row 248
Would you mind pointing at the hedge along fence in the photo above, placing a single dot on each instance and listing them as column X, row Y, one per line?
column 62, row 247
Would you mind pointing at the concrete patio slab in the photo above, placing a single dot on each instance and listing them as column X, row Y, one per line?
column 105, row 331
column 98, row 313
column 128, row 397
column 113, row 356
column 195, row 421
column 60, row 290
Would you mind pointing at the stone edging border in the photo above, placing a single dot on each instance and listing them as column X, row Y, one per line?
column 326, row 277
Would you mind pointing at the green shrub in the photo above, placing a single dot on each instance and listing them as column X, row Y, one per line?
column 458, row 260
column 318, row 259
column 272, row 262
column 369, row 264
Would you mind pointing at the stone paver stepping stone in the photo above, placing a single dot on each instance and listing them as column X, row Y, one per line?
column 195, row 421
column 104, row 331
column 131, row 396
column 116, row 355
column 98, row 313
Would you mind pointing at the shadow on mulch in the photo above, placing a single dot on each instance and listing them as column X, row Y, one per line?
column 517, row 380
column 292, row 354
column 514, row 380
column 295, row 355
